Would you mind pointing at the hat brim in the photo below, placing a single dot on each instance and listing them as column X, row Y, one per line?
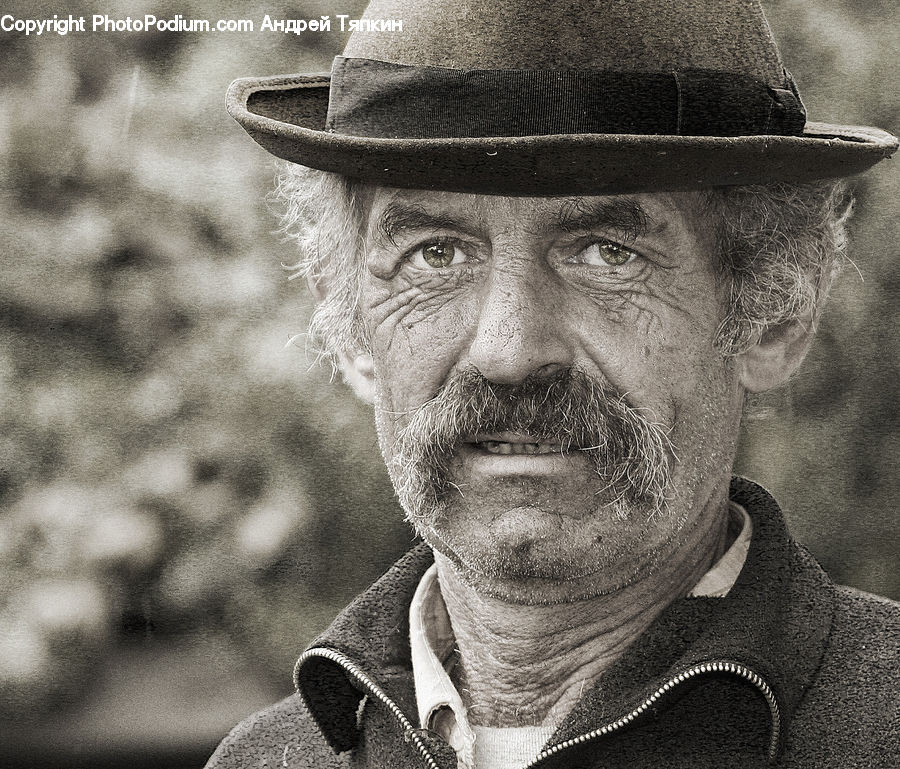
column 286, row 116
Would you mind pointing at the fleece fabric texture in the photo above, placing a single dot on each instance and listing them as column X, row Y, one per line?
column 817, row 683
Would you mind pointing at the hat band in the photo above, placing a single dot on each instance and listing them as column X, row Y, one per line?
column 380, row 99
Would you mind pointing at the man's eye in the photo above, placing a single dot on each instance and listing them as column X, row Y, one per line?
column 605, row 253
column 436, row 256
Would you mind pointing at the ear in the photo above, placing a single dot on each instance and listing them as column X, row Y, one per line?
column 317, row 287
column 775, row 355
column 359, row 373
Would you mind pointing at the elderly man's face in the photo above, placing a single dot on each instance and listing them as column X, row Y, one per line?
column 549, row 398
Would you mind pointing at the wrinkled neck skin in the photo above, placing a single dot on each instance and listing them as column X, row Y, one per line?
column 527, row 665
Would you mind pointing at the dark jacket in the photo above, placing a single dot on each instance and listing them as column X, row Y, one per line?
column 787, row 670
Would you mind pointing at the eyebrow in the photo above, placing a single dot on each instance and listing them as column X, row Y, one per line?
column 399, row 217
column 625, row 216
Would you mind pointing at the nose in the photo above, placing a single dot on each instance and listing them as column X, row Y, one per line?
column 521, row 328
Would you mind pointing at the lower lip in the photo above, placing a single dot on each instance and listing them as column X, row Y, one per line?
column 487, row 463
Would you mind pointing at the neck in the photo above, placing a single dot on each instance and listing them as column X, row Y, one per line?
column 527, row 665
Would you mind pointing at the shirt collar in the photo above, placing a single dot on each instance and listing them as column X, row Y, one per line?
column 719, row 580
column 432, row 646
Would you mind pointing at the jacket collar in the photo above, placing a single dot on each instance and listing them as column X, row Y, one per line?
column 775, row 620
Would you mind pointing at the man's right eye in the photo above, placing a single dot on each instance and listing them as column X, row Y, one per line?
column 436, row 256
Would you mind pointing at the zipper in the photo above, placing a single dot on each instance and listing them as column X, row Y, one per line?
column 409, row 731
column 707, row 667
column 412, row 735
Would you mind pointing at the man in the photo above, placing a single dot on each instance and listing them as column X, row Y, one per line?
column 555, row 263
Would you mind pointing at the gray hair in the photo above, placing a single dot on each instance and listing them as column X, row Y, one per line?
column 780, row 246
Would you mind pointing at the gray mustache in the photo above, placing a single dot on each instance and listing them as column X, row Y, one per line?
column 630, row 453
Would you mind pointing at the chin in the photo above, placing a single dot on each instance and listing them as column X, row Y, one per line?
column 528, row 567
column 536, row 583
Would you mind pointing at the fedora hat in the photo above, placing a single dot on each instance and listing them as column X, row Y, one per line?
column 554, row 97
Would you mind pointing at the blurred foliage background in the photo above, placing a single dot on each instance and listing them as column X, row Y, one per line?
column 184, row 500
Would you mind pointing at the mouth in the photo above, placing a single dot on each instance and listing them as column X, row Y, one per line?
column 505, row 447
column 485, row 457
column 508, row 444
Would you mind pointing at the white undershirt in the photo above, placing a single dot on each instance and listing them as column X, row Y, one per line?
column 440, row 705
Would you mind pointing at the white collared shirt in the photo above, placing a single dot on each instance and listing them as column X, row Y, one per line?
column 440, row 705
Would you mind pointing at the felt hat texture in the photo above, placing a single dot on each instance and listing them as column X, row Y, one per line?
column 555, row 97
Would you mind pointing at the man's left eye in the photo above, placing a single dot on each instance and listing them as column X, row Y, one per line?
column 605, row 253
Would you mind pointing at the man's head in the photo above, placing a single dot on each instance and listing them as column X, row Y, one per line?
column 555, row 263
column 558, row 381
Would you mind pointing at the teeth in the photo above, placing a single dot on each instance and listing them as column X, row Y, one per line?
column 502, row 447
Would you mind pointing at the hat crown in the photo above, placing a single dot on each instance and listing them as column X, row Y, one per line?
column 610, row 35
